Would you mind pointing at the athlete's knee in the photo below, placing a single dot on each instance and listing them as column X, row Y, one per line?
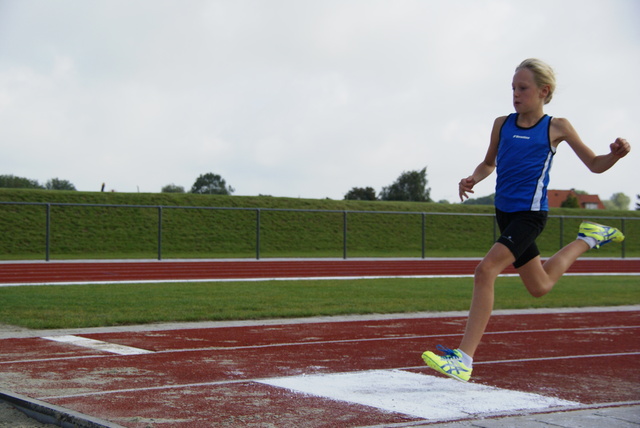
column 539, row 288
column 485, row 273
column 538, row 292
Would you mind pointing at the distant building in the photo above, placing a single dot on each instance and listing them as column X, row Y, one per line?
column 590, row 202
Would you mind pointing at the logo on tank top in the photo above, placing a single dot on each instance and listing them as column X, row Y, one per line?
column 521, row 137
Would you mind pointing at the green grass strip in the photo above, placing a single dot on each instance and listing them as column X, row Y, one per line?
column 73, row 306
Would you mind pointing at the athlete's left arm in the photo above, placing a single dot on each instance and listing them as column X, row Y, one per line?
column 562, row 130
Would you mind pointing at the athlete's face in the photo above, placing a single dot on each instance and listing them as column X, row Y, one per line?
column 527, row 96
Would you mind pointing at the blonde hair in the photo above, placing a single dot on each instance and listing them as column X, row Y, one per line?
column 543, row 75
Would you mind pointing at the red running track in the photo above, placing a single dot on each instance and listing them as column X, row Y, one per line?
column 204, row 377
column 52, row 272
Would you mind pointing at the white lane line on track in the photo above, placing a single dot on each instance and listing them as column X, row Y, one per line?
column 376, row 339
column 267, row 379
column 85, row 357
column 392, row 390
column 98, row 345
column 306, row 278
column 313, row 343
column 566, row 357
column 527, row 360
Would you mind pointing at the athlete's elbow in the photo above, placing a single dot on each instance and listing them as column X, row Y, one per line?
column 599, row 169
column 600, row 164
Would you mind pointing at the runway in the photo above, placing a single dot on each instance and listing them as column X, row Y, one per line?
column 348, row 373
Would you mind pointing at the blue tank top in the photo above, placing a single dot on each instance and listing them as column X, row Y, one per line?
column 522, row 166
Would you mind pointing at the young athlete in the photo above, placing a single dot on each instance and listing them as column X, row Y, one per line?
column 521, row 149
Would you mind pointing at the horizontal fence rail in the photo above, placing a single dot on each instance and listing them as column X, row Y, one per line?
column 258, row 214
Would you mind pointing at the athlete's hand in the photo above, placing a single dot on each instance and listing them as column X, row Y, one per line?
column 620, row 147
column 466, row 186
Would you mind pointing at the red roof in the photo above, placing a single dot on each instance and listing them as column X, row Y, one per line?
column 557, row 197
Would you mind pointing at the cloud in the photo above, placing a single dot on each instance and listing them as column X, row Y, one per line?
column 301, row 98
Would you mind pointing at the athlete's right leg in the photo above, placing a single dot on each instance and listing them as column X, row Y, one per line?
column 497, row 259
column 458, row 363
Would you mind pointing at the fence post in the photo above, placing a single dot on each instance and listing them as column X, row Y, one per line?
column 159, row 232
column 624, row 247
column 344, row 235
column 424, row 232
column 257, row 233
column 47, row 239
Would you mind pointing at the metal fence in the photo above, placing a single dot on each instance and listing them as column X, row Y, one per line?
column 346, row 216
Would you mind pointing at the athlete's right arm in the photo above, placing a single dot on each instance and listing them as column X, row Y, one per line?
column 486, row 167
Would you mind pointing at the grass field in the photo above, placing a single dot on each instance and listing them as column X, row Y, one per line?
column 70, row 306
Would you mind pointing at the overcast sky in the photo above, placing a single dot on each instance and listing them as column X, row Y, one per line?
column 304, row 98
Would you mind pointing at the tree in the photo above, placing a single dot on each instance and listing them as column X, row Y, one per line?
column 638, row 203
column 172, row 188
column 483, row 200
column 618, row 201
column 361, row 194
column 57, row 184
column 211, row 184
column 11, row 181
column 570, row 202
column 410, row 186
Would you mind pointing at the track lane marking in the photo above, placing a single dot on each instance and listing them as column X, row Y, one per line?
column 323, row 342
column 302, row 278
column 266, row 379
column 527, row 360
column 98, row 345
column 374, row 339
column 565, row 357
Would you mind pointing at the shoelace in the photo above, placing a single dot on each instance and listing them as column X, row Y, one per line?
column 454, row 364
column 448, row 353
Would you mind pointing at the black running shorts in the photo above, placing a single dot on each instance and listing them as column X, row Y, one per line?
column 519, row 231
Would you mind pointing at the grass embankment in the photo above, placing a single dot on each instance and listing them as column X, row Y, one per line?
column 202, row 232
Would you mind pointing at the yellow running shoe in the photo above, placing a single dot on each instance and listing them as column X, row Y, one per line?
column 601, row 233
column 449, row 364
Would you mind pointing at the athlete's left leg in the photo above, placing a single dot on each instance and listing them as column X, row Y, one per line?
column 540, row 278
